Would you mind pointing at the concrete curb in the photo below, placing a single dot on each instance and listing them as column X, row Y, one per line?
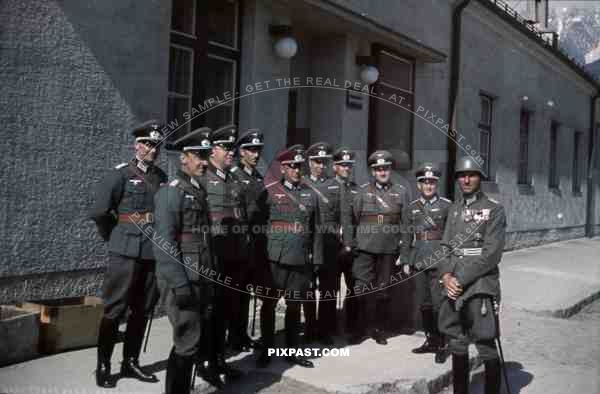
column 566, row 313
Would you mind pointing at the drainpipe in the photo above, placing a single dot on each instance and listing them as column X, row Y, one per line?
column 453, row 91
column 589, row 212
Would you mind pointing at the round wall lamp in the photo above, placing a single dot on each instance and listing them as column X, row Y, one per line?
column 285, row 45
column 369, row 74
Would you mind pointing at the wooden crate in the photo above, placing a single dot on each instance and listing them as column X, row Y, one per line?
column 19, row 334
column 67, row 323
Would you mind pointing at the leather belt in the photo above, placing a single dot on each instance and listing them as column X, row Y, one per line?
column 434, row 235
column 467, row 252
column 380, row 219
column 281, row 226
column 191, row 237
column 226, row 213
column 136, row 217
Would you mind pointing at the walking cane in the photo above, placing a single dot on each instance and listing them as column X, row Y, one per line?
column 148, row 330
column 499, row 344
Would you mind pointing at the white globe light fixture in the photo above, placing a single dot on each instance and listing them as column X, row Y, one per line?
column 285, row 45
column 369, row 75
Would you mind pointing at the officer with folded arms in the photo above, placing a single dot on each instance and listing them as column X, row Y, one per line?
column 474, row 241
column 122, row 211
column 183, row 251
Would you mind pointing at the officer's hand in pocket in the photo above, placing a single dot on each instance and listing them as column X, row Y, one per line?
column 184, row 297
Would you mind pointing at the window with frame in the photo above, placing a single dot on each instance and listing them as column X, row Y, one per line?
column 553, row 170
column 576, row 171
column 390, row 127
column 523, row 174
column 485, row 132
column 204, row 60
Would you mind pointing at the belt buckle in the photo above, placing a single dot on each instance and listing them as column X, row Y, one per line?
column 379, row 219
column 149, row 217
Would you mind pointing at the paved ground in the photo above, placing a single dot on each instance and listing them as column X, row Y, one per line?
column 546, row 354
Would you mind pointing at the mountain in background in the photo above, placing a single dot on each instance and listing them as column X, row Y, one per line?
column 578, row 24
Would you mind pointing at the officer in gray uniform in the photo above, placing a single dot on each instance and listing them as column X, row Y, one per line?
column 325, row 273
column 380, row 239
column 343, row 163
column 122, row 211
column 292, row 215
column 473, row 243
column 426, row 217
column 229, row 224
column 183, row 251
column 249, row 147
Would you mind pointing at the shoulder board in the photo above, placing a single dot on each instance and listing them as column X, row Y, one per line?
column 493, row 200
column 413, row 202
column 364, row 185
column 445, row 199
column 233, row 169
column 272, row 184
column 174, row 182
column 118, row 167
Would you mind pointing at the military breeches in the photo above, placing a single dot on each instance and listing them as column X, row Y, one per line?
column 372, row 274
column 429, row 290
column 290, row 282
column 214, row 328
column 129, row 283
column 474, row 323
column 187, row 323
column 237, row 298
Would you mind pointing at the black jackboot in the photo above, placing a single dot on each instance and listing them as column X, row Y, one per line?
column 433, row 340
column 492, row 376
column 179, row 374
column 106, row 342
column 209, row 372
column 134, row 337
column 460, row 373
column 226, row 369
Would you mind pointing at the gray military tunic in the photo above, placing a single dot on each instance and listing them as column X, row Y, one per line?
column 378, row 212
column 123, row 211
column 425, row 221
column 473, row 243
column 184, row 257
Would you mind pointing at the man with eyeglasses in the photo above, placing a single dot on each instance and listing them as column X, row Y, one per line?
column 227, row 213
column 183, row 251
column 292, row 215
column 380, row 237
column 122, row 211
